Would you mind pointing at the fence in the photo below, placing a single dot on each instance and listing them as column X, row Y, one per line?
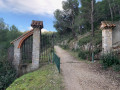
column 56, row 60
column 47, row 48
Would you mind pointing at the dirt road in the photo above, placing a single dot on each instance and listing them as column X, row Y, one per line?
column 78, row 76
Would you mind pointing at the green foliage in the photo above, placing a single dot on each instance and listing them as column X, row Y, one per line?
column 45, row 78
column 7, row 35
column 71, row 38
column 85, row 10
column 64, row 46
column 116, row 67
column 7, row 72
column 102, row 10
column 79, row 20
column 84, row 54
column 96, row 40
column 110, row 59
column 97, row 50
column 84, row 40
column 98, row 37
column 65, row 19
column 87, row 39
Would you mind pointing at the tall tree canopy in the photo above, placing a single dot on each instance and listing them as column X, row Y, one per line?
column 7, row 35
column 65, row 19
column 76, row 14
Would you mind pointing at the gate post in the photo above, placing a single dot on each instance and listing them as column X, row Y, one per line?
column 37, row 26
column 107, row 29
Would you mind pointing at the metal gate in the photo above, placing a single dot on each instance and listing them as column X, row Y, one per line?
column 26, row 50
column 47, row 53
column 47, row 48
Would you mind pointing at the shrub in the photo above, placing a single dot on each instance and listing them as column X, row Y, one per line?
column 110, row 59
column 84, row 54
column 87, row 39
column 116, row 67
column 71, row 38
column 97, row 50
column 64, row 46
column 84, row 40
column 7, row 73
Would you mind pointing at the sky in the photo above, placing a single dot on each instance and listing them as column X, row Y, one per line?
column 21, row 12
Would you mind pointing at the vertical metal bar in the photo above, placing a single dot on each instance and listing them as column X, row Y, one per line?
column 47, row 47
column 53, row 44
column 31, row 47
column 42, row 48
column 50, row 47
column 26, row 48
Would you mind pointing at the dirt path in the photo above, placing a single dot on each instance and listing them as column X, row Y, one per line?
column 78, row 76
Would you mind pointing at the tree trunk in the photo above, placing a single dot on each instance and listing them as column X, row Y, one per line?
column 114, row 7
column 72, row 24
column 92, row 17
column 110, row 10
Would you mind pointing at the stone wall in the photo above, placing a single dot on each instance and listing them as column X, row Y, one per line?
column 116, row 36
column 110, row 36
column 17, row 54
column 27, row 67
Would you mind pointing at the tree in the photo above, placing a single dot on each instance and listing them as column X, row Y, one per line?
column 85, row 10
column 60, row 24
column 7, row 71
column 2, row 24
column 66, row 19
column 13, row 33
column 107, row 10
column 92, row 16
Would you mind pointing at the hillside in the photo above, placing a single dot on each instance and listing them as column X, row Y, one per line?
column 83, row 44
column 45, row 78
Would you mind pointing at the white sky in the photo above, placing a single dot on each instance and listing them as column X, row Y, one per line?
column 41, row 7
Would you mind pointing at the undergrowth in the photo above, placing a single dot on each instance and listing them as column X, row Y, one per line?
column 97, row 39
column 111, row 59
column 7, row 73
column 84, row 54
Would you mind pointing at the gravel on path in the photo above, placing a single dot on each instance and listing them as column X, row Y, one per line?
column 78, row 76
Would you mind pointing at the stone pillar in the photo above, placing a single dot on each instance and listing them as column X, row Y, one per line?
column 37, row 26
column 36, row 48
column 17, row 55
column 107, row 28
column 107, row 40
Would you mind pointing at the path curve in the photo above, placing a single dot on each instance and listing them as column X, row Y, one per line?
column 77, row 76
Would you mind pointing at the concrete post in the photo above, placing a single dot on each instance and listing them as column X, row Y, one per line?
column 36, row 48
column 107, row 28
column 37, row 26
column 107, row 40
